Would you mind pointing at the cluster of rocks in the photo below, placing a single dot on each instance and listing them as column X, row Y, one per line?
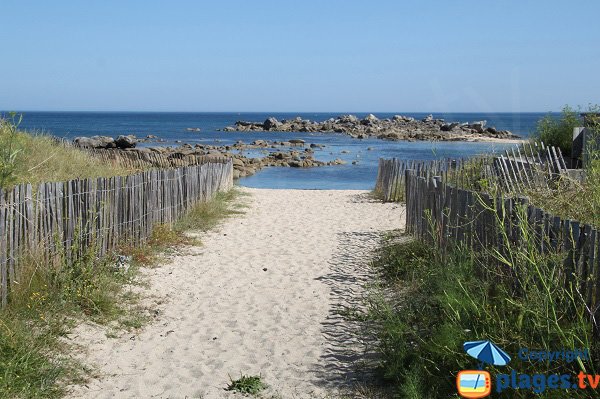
column 105, row 142
column 396, row 128
column 292, row 153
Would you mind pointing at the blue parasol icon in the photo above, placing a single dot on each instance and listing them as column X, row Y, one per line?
column 487, row 352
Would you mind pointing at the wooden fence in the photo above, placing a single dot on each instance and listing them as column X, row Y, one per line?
column 441, row 212
column 391, row 175
column 147, row 158
column 69, row 217
column 140, row 158
column 525, row 166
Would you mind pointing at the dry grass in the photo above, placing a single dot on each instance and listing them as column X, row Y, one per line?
column 35, row 158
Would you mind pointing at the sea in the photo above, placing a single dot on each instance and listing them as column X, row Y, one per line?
column 172, row 127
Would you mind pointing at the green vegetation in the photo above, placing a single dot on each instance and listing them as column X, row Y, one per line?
column 573, row 199
column 48, row 300
column 428, row 305
column 558, row 132
column 53, row 297
column 55, row 294
column 35, row 158
column 205, row 216
column 252, row 385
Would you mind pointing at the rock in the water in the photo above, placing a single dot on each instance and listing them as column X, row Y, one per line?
column 129, row 141
column 348, row 119
column 271, row 123
column 396, row 128
column 95, row 142
column 478, row 126
column 448, row 127
column 369, row 120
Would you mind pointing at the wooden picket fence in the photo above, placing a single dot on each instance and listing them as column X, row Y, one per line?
column 520, row 167
column 139, row 158
column 441, row 212
column 67, row 218
column 390, row 184
column 147, row 158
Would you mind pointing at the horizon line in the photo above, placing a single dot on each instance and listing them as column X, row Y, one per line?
column 278, row 112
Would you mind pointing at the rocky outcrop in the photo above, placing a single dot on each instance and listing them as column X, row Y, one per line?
column 95, row 142
column 129, row 141
column 398, row 127
column 105, row 142
column 295, row 153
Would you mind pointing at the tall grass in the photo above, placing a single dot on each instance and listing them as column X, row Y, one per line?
column 574, row 199
column 434, row 299
column 34, row 158
column 43, row 307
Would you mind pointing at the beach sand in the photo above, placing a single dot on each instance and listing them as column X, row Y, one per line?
column 260, row 296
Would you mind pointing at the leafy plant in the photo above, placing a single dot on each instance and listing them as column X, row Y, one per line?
column 247, row 384
column 558, row 132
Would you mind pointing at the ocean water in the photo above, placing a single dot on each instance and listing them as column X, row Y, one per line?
column 172, row 126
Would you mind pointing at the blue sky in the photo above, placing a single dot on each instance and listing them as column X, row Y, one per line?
column 327, row 55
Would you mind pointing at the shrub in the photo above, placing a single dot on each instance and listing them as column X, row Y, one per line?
column 558, row 132
column 248, row 384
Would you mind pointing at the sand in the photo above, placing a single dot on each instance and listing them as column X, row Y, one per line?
column 260, row 296
column 470, row 138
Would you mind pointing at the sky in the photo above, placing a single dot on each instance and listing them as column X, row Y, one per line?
column 303, row 56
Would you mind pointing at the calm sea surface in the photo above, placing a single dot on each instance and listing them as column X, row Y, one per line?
column 172, row 127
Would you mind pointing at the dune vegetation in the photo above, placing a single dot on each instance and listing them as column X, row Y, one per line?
column 27, row 157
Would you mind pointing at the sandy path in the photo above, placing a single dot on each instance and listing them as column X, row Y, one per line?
column 223, row 314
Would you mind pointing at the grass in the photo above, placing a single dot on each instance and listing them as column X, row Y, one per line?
column 558, row 132
column 247, row 384
column 205, row 216
column 35, row 158
column 571, row 199
column 41, row 311
column 427, row 305
column 52, row 298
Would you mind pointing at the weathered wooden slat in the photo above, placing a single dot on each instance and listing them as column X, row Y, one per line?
column 78, row 215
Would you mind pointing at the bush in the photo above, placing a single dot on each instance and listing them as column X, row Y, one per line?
column 558, row 132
